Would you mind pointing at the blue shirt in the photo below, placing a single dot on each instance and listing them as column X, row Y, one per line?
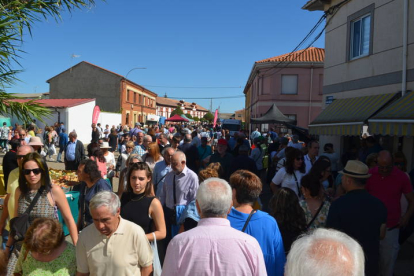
column 264, row 228
column 70, row 151
column 87, row 194
column 63, row 139
column 160, row 169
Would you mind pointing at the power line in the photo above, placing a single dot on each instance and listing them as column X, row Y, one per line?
column 227, row 97
column 194, row 87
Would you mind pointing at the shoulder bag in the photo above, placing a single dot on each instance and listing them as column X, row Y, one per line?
column 248, row 220
column 297, row 186
column 315, row 216
column 20, row 224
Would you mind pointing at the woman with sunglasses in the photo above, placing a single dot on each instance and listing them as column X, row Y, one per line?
column 137, row 204
column 291, row 174
column 34, row 178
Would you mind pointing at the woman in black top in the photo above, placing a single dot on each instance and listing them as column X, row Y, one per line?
column 138, row 206
column 113, row 140
column 284, row 207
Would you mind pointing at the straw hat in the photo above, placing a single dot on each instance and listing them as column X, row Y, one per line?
column 105, row 145
column 35, row 141
column 356, row 169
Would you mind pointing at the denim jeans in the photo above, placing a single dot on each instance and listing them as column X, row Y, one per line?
column 5, row 238
column 59, row 156
column 389, row 248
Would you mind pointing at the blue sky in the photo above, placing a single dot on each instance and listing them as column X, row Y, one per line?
column 182, row 43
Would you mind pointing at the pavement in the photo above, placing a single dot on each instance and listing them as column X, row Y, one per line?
column 405, row 261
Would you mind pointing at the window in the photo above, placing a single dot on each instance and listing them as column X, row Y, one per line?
column 127, row 95
column 360, row 33
column 289, row 84
column 292, row 116
column 360, row 36
column 139, row 98
column 135, row 97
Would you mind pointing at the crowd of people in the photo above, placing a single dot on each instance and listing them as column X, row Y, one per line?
column 191, row 200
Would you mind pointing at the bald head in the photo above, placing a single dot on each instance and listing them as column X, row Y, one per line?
column 385, row 163
column 22, row 151
column 178, row 162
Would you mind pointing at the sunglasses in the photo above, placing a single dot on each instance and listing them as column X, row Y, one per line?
column 129, row 147
column 35, row 171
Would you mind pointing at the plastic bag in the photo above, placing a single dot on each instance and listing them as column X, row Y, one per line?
column 156, row 264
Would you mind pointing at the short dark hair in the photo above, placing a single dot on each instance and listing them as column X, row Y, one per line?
column 311, row 142
column 248, row 186
column 327, row 146
column 91, row 169
column 15, row 144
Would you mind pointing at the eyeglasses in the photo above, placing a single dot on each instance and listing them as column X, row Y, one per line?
column 35, row 171
column 21, row 134
column 401, row 164
column 129, row 147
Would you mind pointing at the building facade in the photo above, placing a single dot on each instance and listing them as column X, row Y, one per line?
column 165, row 106
column 292, row 81
column 113, row 92
column 369, row 68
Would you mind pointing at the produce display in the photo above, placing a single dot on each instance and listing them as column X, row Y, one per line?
column 63, row 178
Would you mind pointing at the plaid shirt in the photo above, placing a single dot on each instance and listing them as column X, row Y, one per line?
column 140, row 150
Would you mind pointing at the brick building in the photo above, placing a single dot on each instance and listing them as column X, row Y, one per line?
column 113, row 92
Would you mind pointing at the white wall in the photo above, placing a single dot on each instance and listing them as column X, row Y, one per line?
column 79, row 118
column 107, row 118
column 54, row 117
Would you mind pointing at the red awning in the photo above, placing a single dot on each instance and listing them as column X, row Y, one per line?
column 177, row 118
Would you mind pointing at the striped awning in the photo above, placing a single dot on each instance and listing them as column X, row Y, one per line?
column 347, row 116
column 395, row 120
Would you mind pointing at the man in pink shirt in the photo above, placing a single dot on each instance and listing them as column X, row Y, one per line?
column 388, row 184
column 214, row 247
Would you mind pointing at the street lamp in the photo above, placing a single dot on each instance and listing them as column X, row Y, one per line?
column 133, row 70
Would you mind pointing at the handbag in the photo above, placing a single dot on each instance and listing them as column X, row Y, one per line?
column 20, row 224
column 156, row 263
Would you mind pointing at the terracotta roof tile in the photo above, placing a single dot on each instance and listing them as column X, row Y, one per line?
column 57, row 102
column 174, row 103
column 312, row 54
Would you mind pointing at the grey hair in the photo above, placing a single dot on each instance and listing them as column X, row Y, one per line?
column 132, row 157
column 147, row 137
column 325, row 252
column 214, row 197
column 187, row 138
column 105, row 198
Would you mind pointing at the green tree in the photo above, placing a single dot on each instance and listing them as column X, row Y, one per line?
column 16, row 18
column 196, row 119
column 209, row 117
column 176, row 111
column 188, row 115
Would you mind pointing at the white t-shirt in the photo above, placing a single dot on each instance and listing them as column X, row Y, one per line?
column 288, row 180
